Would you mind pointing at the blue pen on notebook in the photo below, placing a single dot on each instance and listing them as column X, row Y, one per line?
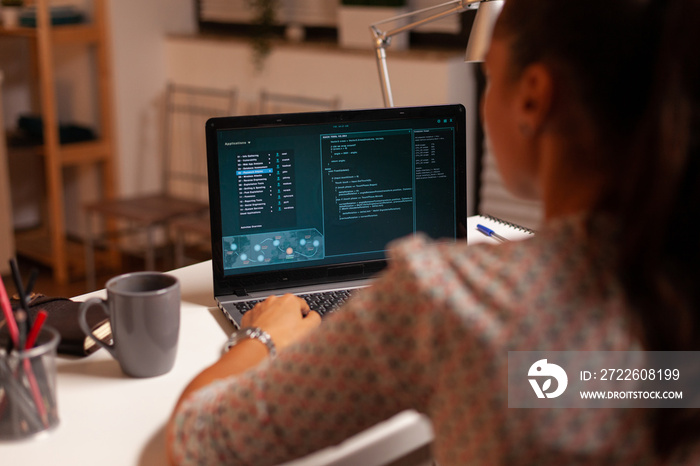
column 489, row 232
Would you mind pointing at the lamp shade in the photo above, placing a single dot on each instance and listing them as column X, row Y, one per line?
column 480, row 36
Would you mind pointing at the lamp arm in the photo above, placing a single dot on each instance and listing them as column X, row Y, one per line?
column 382, row 39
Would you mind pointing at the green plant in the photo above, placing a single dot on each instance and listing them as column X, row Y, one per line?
column 383, row 3
column 264, row 21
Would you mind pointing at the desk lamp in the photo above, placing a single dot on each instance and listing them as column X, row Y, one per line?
column 479, row 37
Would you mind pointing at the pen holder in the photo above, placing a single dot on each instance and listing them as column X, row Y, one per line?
column 28, row 388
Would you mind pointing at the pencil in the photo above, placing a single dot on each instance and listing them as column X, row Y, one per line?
column 33, row 274
column 18, row 284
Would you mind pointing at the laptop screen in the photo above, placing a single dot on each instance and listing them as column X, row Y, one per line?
column 317, row 190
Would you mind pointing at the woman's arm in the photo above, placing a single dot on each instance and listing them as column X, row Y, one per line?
column 366, row 363
column 241, row 357
column 286, row 319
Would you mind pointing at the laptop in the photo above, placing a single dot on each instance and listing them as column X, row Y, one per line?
column 306, row 203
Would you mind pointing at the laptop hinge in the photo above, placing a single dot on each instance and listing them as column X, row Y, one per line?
column 240, row 292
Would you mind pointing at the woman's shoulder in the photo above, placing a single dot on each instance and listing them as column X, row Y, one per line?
column 564, row 241
column 556, row 282
column 426, row 257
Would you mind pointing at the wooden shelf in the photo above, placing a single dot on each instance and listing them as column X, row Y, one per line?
column 76, row 153
column 29, row 33
column 85, row 152
column 61, row 34
column 51, row 245
column 35, row 245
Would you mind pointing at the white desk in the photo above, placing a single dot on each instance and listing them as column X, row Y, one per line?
column 108, row 418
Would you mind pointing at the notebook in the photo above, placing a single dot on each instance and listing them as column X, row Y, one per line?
column 306, row 203
column 505, row 229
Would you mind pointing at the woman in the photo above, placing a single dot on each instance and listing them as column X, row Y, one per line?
column 580, row 113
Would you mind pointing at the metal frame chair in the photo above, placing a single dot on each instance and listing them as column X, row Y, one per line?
column 184, row 192
column 198, row 228
column 277, row 102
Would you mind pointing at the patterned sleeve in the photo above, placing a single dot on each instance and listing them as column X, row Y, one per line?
column 373, row 359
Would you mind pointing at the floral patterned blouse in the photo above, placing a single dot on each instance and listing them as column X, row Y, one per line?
column 433, row 334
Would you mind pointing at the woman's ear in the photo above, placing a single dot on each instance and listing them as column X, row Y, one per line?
column 534, row 98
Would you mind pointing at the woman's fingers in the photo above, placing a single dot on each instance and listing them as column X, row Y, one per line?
column 312, row 318
column 286, row 318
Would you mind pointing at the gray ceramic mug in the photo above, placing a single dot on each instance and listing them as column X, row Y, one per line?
column 144, row 313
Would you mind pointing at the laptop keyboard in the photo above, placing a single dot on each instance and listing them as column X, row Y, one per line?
column 324, row 302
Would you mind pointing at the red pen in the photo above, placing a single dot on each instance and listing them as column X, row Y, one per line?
column 36, row 328
column 9, row 316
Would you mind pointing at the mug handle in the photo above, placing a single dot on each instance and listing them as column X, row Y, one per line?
column 86, row 328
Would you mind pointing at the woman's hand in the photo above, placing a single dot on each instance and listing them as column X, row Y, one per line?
column 285, row 318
